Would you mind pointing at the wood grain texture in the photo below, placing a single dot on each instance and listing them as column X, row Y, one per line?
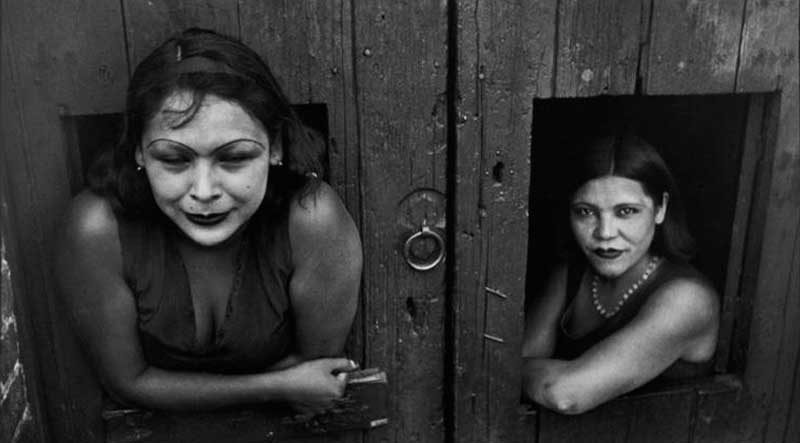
column 606, row 424
column 53, row 56
column 505, row 60
column 74, row 51
column 402, row 134
column 763, row 51
column 664, row 418
column 149, row 23
column 693, row 46
column 773, row 345
column 720, row 416
column 598, row 47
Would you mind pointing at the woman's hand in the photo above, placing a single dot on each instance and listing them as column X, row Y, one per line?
column 312, row 387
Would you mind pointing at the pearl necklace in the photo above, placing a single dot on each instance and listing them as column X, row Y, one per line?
column 610, row 312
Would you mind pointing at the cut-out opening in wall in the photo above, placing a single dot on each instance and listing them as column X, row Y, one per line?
column 88, row 136
column 711, row 143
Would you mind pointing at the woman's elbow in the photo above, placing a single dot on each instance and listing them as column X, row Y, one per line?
column 558, row 396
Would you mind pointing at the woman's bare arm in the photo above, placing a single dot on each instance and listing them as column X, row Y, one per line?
column 327, row 256
column 543, row 314
column 89, row 270
column 675, row 321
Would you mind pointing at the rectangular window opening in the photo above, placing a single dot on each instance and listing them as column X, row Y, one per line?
column 714, row 146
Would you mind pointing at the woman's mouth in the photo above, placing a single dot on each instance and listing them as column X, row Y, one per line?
column 607, row 254
column 207, row 219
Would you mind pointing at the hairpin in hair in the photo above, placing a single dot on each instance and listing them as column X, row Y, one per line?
column 178, row 54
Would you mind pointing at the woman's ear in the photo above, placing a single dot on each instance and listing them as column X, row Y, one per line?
column 276, row 151
column 139, row 155
column 661, row 210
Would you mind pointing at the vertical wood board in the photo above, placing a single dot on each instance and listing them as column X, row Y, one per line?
column 505, row 59
column 694, row 46
column 401, row 128
column 763, row 52
column 773, row 352
column 148, row 23
column 598, row 47
column 53, row 55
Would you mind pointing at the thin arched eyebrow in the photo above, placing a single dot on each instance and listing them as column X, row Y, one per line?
column 213, row 151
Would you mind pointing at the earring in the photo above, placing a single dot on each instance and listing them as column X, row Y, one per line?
column 139, row 168
column 280, row 163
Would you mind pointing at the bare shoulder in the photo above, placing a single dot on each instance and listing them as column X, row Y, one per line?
column 317, row 212
column 90, row 216
column 687, row 302
column 320, row 226
column 90, row 231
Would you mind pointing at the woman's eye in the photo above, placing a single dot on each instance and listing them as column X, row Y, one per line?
column 174, row 160
column 582, row 212
column 627, row 211
column 234, row 161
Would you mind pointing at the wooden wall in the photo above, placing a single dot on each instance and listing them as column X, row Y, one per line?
column 438, row 96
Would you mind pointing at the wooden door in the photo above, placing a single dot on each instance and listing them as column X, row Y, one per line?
column 429, row 107
column 514, row 58
column 383, row 103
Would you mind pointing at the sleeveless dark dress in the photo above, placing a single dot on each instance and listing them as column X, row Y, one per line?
column 257, row 330
column 569, row 347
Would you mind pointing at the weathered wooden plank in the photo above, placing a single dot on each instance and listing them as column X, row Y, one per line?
column 78, row 64
column 763, row 54
column 720, row 415
column 773, row 352
column 606, row 424
column 505, row 59
column 401, row 135
column 693, row 46
column 792, row 428
column 663, row 418
column 58, row 58
column 149, row 23
column 598, row 47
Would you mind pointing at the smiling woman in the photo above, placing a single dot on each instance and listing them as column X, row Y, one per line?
column 208, row 266
column 626, row 307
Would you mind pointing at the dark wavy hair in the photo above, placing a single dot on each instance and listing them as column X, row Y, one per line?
column 634, row 158
column 203, row 62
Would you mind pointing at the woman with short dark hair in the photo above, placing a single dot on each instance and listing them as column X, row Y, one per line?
column 626, row 306
column 208, row 265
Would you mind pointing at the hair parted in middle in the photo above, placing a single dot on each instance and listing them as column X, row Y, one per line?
column 632, row 157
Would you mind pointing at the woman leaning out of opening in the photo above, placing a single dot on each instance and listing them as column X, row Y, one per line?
column 626, row 306
column 207, row 265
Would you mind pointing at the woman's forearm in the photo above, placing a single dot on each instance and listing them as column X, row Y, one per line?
column 161, row 389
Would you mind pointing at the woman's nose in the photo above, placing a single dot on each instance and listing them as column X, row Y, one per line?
column 605, row 228
column 204, row 187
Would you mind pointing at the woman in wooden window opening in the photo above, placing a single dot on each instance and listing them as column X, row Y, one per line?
column 208, row 265
column 626, row 306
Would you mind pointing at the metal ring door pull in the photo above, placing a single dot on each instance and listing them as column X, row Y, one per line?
column 415, row 243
